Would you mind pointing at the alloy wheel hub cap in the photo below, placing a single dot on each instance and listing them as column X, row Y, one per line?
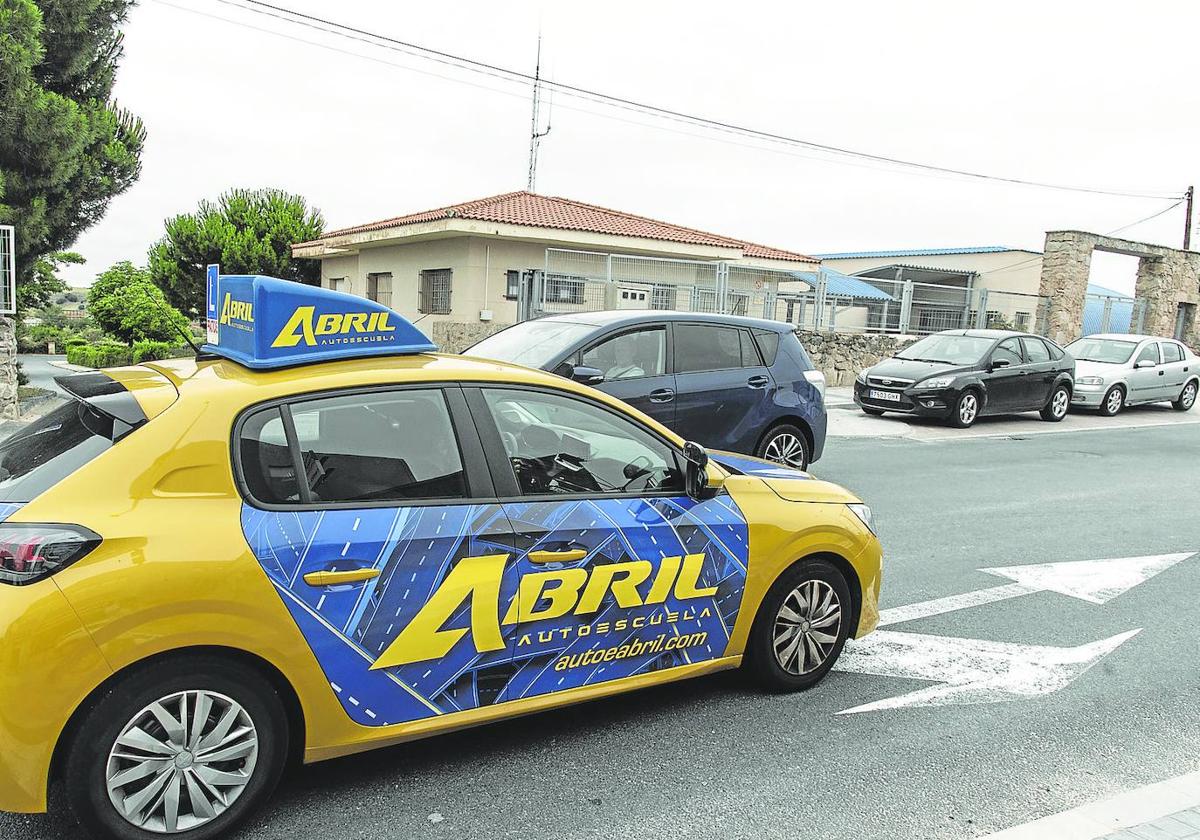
column 807, row 627
column 181, row 761
column 785, row 449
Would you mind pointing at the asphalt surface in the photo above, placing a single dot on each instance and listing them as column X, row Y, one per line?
column 716, row 758
column 41, row 370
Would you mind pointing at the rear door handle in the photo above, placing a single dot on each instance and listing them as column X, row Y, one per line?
column 332, row 577
column 758, row 381
column 566, row 556
column 662, row 395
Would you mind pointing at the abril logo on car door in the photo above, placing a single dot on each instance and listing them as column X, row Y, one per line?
column 472, row 607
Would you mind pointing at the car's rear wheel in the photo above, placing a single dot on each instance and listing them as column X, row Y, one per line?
column 874, row 412
column 966, row 410
column 800, row 628
column 785, row 444
column 1113, row 402
column 1187, row 397
column 1060, row 401
column 182, row 749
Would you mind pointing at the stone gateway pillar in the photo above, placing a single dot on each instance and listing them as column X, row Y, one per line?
column 1168, row 281
column 8, row 369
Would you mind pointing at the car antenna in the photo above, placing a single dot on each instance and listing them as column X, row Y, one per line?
column 200, row 354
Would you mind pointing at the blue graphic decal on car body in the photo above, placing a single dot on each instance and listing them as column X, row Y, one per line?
column 651, row 583
column 7, row 509
column 756, row 467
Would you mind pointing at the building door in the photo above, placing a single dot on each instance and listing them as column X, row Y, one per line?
column 1185, row 316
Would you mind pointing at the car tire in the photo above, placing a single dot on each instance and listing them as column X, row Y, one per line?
column 785, row 655
column 966, row 410
column 1187, row 397
column 1058, row 406
column 874, row 412
column 785, row 444
column 102, row 762
column 1113, row 402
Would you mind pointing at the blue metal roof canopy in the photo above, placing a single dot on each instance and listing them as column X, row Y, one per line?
column 265, row 323
column 843, row 285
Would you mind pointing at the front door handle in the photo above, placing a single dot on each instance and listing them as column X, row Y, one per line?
column 566, row 556
column 662, row 395
column 336, row 577
column 758, row 381
column 1162, row 373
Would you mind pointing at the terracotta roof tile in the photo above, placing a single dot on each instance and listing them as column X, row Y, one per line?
column 530, row 209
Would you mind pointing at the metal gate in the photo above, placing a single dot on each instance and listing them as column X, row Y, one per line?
column 1112, row 314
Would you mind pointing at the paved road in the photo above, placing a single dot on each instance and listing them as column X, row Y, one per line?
column 41, row 372
column 714, row 758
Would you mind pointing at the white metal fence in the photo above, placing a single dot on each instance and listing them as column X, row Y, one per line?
column 586, row 281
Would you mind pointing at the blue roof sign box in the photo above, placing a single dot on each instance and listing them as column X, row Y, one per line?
column 265, row 322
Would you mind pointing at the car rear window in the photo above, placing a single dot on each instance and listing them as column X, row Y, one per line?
column 768, row 345
column 38, row 456
column 708, row 347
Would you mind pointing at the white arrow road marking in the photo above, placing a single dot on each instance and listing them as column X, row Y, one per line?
column 968, row 670
column 1095, row 581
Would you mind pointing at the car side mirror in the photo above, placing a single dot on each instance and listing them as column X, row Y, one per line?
column 700, row 484
column 997, row 364
column 1146, row 363
column 587, row 375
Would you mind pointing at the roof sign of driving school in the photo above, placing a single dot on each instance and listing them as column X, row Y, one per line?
column 265, row 322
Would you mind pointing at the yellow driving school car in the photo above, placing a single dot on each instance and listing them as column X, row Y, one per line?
column 318, row 537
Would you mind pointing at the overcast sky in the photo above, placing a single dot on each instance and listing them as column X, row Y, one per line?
column 1085, row 93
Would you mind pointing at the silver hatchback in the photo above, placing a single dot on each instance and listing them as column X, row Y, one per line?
column 1115, row 370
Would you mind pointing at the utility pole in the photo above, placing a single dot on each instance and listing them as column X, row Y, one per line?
column 535, row 138
column 1187, row 229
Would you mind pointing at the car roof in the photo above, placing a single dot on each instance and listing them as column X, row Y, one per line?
column 630, row 317
column 1129, row 337
column 986, row 333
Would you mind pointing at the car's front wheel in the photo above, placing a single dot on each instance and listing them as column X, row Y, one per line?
column 1113, row 402
column 966, row 410
column 787, row 445
column 185, row 748
column 1056, row 409
column 800, row 628
column 1187, row 397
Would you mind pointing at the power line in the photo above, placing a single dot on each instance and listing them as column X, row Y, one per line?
column 509, row 75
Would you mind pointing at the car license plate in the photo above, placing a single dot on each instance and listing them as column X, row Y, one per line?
column 887, row 396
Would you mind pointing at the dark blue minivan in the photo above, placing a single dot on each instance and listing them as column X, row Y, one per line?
column 737, row 384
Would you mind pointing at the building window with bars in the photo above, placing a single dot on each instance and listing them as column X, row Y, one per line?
column 512, row 285
column 662, row 296
column 379, row 288
column 433, row 296
column 561, row 289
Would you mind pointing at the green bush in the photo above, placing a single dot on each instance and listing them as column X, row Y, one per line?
column 107, row 354
column 149, row 351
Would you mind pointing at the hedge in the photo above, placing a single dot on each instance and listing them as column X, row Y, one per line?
column 111, row 354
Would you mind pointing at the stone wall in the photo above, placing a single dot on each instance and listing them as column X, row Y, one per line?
column 8, row 370
column 840, row 356
column 456, row 336
column 1166, row 278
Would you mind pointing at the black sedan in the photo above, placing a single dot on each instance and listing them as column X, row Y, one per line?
column 958, row 375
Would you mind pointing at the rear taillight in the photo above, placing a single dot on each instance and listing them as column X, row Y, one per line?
column 30, row 552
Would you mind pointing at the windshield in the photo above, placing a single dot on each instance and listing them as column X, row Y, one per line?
column 948, row 349
column 1110, row 351
column 532, row 343
column 35, row 458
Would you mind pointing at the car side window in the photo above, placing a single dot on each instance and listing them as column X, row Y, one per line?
column 768, row 345
column 268, row 467
column 630, row 355
column 562, row 446
column 1035, row 350
column 1010, row 350
column 1149, row 353
column 376, row 447
column 700, row 347
column 1171, row 352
